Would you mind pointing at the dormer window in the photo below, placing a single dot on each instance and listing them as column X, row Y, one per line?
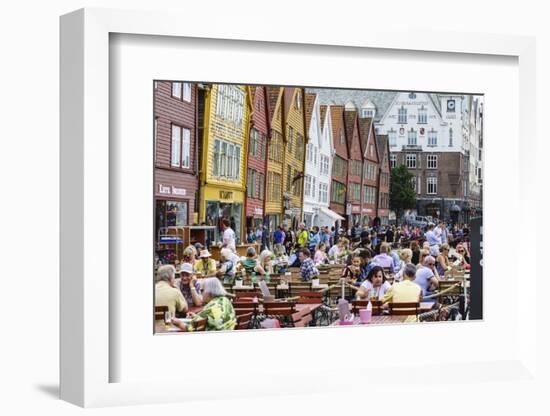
column 412, row 96
column 367, row 113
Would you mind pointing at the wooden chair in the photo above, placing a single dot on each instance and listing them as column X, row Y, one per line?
column 245, row 306
column 159, row 312
column 301, row 318
column 280, row 310
column 240, row 295
column 244, row 320
column 228, row 287
column 296, row 288
column 362, row 304
column 312, row 297
column 404, row 308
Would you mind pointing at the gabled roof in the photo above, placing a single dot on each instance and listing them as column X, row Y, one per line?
column 310, row 102
column 382, row 141
column 364, row 131
column 288, row 94
column 349, row 120
column 337, row 119
column 272, row 95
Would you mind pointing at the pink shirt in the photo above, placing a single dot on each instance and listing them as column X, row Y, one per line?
column 384, row 260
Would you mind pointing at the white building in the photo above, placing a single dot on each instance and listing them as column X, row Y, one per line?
column 318, row 166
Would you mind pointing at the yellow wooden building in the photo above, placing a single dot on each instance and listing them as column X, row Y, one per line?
column 275, row 159
column 294, row 156
column 226, row 121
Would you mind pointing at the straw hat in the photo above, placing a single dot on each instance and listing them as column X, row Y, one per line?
column 205, row 253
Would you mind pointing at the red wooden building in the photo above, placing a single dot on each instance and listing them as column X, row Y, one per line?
column 175, row 161
column 355, row 168
column 338, row 186
column 370, row 170
column 383, row 209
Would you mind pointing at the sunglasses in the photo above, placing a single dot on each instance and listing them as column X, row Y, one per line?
column 431, row 264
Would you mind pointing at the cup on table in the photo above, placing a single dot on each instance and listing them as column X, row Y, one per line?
column 365, row 316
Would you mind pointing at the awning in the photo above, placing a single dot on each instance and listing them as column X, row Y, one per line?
column 331, row 214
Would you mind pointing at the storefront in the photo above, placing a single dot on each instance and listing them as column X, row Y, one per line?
column 355, row 215
column 254, row 219
column 172, row 205
column 368, row 214
column 223, row 203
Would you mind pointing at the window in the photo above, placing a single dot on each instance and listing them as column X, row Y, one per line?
column 263, row 144
column 431, row 185
column 315, row 155
column 299, row 147
column 393, row 138
column 324, row 165
column 432, row 138
column 307, row 185
column 411, row 138
column 251, row 184
column 422, row 116
column 309, row 152
column 275, row 149
column 261, row 180
column 226, row 160
column 338, row 192
column 431, row 161
column 253, row 142
column 297, row 184
column 451, row 137
column 298, row 100
column 413, row 182
column 367, row 113
column 176, row 90
column 230, row 105
column 288, row 177
column 187, row 91
column 290, row 138
column 341, row 136
column 411, row 161
column 369, row 195
column 402, row 115
column 371, row 150
column 313, row 186
column 323, row 192
column 412, row 96
column 274, row 186
column 393, row 161
column 355, row 191
column 181, row 147
column 419, row 187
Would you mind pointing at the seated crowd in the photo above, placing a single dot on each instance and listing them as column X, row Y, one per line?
column 381, row 270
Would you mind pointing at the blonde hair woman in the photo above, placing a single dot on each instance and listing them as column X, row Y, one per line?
column 264, row 264
column 406, row 258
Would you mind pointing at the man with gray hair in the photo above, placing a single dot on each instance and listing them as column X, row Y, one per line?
column 426, row 276
column 167, row 292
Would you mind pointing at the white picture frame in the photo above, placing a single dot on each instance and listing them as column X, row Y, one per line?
column 85, row 351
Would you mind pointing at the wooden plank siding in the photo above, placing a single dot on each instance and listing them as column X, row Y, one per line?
column 294, row 160
column 275, row 103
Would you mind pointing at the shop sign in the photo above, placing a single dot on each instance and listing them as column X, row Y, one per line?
column 295, row 211
column 171, row 190
column 258, row 211
column 348, row 209
column 178, row 191
column 356, row 209
column 367, row 210
column 226, row 195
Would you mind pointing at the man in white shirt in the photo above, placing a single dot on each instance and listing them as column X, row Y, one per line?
column 228, row 235
column 433, row 240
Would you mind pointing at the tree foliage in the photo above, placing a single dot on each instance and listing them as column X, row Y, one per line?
column 402, row 193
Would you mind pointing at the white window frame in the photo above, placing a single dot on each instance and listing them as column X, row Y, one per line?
column 186, row 94
column 393, row 161
column 432, row 138
column 431, row 161
column 412, row 138
column 307, row 186
column 411, row 159
column 178, row 91
column 431, row 183
column 393, row 138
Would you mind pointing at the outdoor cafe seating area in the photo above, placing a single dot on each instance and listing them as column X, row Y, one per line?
column 285, row 301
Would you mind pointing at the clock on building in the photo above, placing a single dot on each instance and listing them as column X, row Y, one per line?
column 451, row 105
